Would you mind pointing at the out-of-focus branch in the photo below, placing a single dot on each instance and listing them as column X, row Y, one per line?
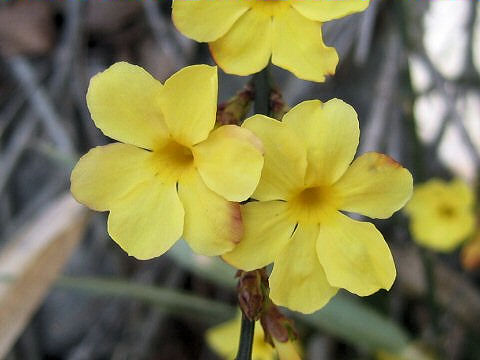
column 374, row 131
column 445, row 87
column 365, row 33
column 25, row 75
column 453, row 291
column 162, row 34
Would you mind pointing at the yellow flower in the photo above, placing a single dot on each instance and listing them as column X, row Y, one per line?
column 441, row 214
column 172, row 174
column 244, row 34
column 297, row 223
column 224, row 339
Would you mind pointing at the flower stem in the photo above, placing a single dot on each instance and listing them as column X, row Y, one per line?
column 430, row 280
column 261, row 83
column 246, row 339
column 262, row 87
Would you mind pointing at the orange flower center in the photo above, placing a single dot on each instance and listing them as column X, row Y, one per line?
column 446, row 211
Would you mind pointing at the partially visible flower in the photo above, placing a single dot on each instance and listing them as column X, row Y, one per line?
column 413, row 351
column 441, row 214
column 172, row 173
column 298, row 223
column 470, row 255
column 244, row 34
column 224, row 339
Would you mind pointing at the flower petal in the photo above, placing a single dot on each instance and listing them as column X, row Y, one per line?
column 299, row 48
column 206, row 20
column 463, row 192
column 428, row 198
column 148, row 220
column 267, row 231
column 286, row 350
column 354, row 255
column 331, row 133
column 285, row 159
column 106, row 173
column 236, row 149
column 246, row 48
column 374, row 185
column 223, row 338
column 124, row 103
column 325, row 10
column 189, row 103
column 440, row 234
column 213, row 225
column 298, row 280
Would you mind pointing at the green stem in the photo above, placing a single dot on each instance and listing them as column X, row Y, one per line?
column 246, row 339
column 430, row 279
column 261, row 82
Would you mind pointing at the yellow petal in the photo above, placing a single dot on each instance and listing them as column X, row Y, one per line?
column 267, row 231
column 148, row 220
column 285, row 159
column 299, row 48
column 286, row 350
column 224, row 338
column 330, row 131
column 354, row 255
column 325, row 10
column 189, row 103
column 298, row 280
column 429, row 196
column 441, row 234
column 107, row 173
column 206, row 20
column 374, row 185
column 230, row 162
column 124, row 103
column 463, row 192
column 246, row 48
column 213, row 225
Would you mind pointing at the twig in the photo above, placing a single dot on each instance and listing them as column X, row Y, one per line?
column 68, row 48
column 10, row 111
column 18, row 143
column 453, row 292
column 443, row 86
column 373, row 133
column 44, row 195
column 39, row 100
column 365, row 33
column 161, row 33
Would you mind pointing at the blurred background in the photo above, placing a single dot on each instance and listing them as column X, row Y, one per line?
column 410, row 69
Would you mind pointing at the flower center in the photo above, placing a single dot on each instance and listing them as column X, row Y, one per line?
column 171, row 160
column 446, row 211
column 270, row 7
column 312, row 204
